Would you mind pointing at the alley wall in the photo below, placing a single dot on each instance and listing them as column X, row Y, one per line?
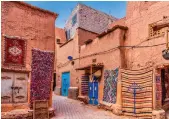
column 69, row 48
column 37, row 27
column 139, row 16
column 110, row 60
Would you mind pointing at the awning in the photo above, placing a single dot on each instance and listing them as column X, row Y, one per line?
column 89, row 66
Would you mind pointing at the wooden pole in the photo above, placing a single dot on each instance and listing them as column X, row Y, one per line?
column 119, row 90
column 51, row 90
column 91, row 73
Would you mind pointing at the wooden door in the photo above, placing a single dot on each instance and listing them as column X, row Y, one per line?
column 14, row 87
column 93, row 93
column 95, row 88
column 65, row 83
column 20, row 88
column 6, row 87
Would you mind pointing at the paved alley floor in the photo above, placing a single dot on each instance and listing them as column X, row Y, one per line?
column 66, row 108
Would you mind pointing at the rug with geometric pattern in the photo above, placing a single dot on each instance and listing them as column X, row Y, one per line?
column 110, row 85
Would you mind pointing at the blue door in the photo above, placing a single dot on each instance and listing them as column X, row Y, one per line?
column 93, row 93
column 65, row 83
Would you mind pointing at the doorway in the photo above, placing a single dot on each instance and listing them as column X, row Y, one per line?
column 14, row 87
column 54, row 81
column 65, row 83
column 93, row 93
column 165, row 87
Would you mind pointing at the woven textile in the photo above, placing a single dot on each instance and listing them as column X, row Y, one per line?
column 14, row 51
column 167, row 82
column 110, row 85
column 158, row 91
column 137, row 92
column 84, row 84
column 42, row 69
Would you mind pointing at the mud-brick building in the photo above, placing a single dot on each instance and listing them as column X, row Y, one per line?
column 87, row 18
column 125, row 68
column 24, row 27
column 83, row 24
column 147, row 24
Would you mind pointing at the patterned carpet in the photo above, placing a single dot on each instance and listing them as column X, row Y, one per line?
column 110, row 85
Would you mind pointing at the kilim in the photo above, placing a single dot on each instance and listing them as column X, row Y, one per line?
column 110, row 85
column 84, row 84
column 158, row 91
column 14, row 51
column 137, row 92
column 41, row 75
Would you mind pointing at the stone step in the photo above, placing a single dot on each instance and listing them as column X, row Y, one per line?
column 9, row 107
column 22, row 113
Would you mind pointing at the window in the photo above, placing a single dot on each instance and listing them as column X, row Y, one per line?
column 57, row 40
column 153, row 32
column 74, row 19
column 88, row 41
column 68, row 34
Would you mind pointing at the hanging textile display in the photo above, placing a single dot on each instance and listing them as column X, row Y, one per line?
column 41, row 75
column 165, row 86
column 84, row 84
column 137, row 92
column 14, row 51
column 158, row 91
column 110, row 85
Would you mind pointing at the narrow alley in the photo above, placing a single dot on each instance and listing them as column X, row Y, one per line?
column 56, row 54
column 66, row 108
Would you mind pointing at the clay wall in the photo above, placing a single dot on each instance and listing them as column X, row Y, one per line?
column 111, row 60
column 37, row 27
column 139, row 16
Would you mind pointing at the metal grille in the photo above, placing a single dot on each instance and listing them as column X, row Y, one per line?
column 153, row 33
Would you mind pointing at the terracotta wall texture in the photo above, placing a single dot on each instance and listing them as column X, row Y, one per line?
column 111, row 60
column 84, row 35
column 63, row 65
column 34, row 25
column 59, row 34
column 139, row 16
column 71, row 48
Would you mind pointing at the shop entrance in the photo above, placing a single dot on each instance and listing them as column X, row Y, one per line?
column 165, row 87
column 90, row 82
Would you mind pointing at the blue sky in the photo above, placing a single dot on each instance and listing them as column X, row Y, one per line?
column 64, row 8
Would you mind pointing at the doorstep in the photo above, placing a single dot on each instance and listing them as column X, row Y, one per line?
column 22, row 113
column 83, row 99
column 12, row 106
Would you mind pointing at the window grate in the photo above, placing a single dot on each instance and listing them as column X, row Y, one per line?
column 74, row 19
column 155, row 33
